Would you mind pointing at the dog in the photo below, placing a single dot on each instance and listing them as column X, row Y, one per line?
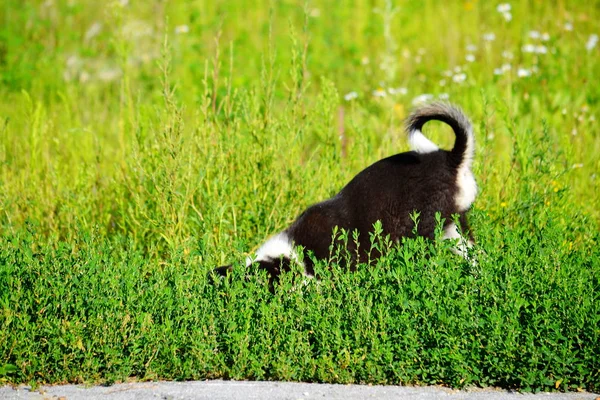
column 426, row 180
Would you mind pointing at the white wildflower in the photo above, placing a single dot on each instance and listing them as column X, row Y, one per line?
column 545, row 37
column 457, row 69
column 506, row 67
column 351, row 96
column 568, row 26
column 93, row 31
column 379, row 93
column 503, row 8
column 399, row 90
column 489, row 37
column 528, row 48
column 182, row 29
column 84, row 77
column 109, row 74
column 470, row 58
column 534, row 35
column 523, row 72
column 471, row 48
column 541, row 49
column 578, row 165
column 459, row 78
column 498, row 71
column 124, row 3
column 507, row 16
column 592, row 42
column 424, row 98
column 507, row 54
column 443, row 96
column 74, row 61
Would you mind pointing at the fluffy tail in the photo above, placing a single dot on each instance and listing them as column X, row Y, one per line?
column 464, row 146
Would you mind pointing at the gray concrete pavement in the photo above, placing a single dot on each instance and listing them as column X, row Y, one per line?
column 227, row 390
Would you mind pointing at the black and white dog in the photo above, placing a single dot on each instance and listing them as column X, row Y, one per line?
column 426, row 180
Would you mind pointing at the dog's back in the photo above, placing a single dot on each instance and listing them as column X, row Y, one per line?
column 426, row 180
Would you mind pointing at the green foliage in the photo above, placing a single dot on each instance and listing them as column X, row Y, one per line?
column 142, row 145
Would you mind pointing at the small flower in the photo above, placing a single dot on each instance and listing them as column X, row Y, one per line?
column 489, row 37
column 471, row 48
column 365, row 60
column 498, row 71
column 448, row 73
column 523, row 72
column 442, row 82
column 182, row 29
column 503, row 8
column 457, row 69
column 443, row 96
column 398, row 90
column 568, row 26
column 577, row 166
column 534, row 35
column 507, row 54
column 592, row 42
column 109, row 74
column 528, row 48
column 545, row 37
column 93, row 31
column 470, row 58
column 379, row 92
column 424, row 98
column 503, row 204
column 351, row 96
column 541, row 49
column 459, row 78
column 506, row 67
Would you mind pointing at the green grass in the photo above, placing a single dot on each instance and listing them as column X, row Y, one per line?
column 144, row 143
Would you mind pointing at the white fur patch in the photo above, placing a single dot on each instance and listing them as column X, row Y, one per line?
column 467, row 187
column 275, row 247
column 419, row 143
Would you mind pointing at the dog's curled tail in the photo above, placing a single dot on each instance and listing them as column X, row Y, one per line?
column 464, row 146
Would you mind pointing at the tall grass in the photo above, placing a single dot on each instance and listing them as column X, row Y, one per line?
column 142, row 144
